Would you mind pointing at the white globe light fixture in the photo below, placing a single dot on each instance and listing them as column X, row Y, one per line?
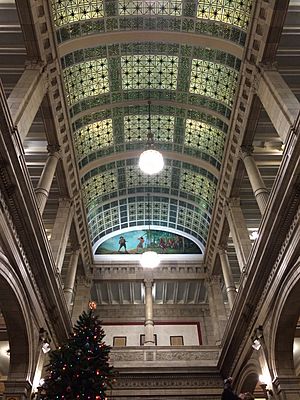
column 149, row 259
column 151, row 161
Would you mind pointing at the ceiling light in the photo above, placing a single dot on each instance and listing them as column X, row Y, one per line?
column 256, row 344
column 149, row 259
column 46, row 347
column 151, row 161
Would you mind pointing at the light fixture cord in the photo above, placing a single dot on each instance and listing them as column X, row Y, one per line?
column 148, row 206
column 150, row 139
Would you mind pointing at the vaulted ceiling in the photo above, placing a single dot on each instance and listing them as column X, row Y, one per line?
column 186, row 62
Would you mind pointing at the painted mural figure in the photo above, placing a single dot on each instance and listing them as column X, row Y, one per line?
column 122, row 243
column 140, row 245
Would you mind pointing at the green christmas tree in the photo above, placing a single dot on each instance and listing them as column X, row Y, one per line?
column 80, row 369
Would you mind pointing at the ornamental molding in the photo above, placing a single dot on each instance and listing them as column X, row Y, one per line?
column 164, row 355
column 178, row 380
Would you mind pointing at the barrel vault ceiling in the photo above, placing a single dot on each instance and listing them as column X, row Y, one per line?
column 115, row 56
column 110, row 74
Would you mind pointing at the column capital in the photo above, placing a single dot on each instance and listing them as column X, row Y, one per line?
column 35, row 63
column 246, row 150
column 76, row 248
column 148, row 282
column 54, row 150
column 267, row 66
column 214, row 279
column 233, row 202
column 222, row 248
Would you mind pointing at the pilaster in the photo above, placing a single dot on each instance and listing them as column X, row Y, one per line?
column 16, row 390
column 280, row 103
column 26, row 97
column 238, row 230
column 287, row 387
column 61, row 230
column 217, row 307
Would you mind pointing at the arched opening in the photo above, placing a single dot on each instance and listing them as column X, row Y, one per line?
column 16, row 343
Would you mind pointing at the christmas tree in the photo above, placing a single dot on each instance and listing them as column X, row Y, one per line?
column 80, row 368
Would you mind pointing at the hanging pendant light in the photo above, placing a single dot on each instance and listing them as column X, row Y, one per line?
column 149, row 259
column 151, row 161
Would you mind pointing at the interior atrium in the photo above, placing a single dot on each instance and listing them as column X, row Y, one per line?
column 86, row 86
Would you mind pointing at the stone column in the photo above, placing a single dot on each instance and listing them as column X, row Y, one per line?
column 227, row 274
column 61, row 230
column 70, row 278
column 82, row 297
column 239, row 232
column 287, row 387
column 216, row 307
column 280, row 103
column 45, row 182
column 16, row 389
column 149, row 323
column 26, row 97
column 259, row 189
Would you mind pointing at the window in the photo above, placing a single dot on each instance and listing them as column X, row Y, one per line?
column 119, row 341
column 176, row 340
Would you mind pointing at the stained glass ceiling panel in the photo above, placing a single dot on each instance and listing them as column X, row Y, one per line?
column 192, row 91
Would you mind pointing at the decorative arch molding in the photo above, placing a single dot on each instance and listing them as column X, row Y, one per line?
column 135, row 153
column 16, row 312
column 284, row 321
column 159, row 36
column 248, row 376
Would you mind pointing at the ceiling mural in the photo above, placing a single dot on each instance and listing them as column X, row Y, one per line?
column 138, row 241
column 115, row 91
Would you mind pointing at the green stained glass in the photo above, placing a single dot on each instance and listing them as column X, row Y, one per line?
column 68, row 11
column 205, row 137
column 233, row 12
column 213, row 80
column 198, row 185
column 149, row 72
column 86, row 79
column 135, row 178
column 148, row 7
column 98, row 185
column 136, row 127
column 93, row 137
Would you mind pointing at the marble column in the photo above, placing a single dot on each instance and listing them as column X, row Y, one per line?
column 280, row 103
column 45, row 182
column 70, row 278
column 26, row 97
column 149, row 323
column 227, row 274
column 239, row 231
column 216, row 307
column 61, row 230
column 259, row 189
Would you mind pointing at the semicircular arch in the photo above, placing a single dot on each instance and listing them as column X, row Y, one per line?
column 15, row 310
column 284, row 320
